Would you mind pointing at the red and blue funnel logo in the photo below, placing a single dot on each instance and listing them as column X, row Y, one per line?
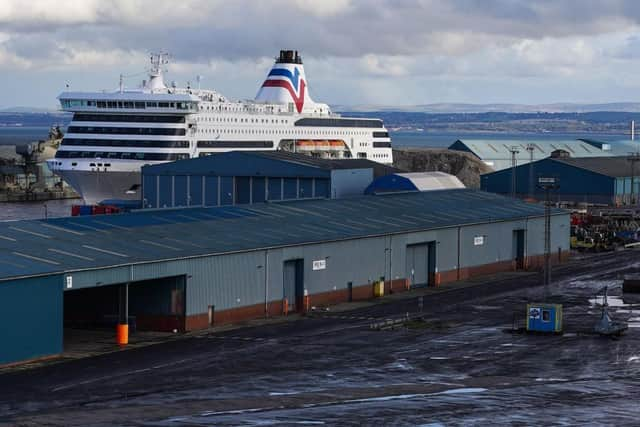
column 291, row 81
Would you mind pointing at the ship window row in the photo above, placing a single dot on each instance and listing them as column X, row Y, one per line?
column 124, row 143
column 241, row 120
column 81, row 117
column 381, row 134
column 335, row 122
column 235, row 144
column 116, row 155
column 126, row 131
column 302, row 132
column 381, row 144
column 241, row 109
column 70, row 103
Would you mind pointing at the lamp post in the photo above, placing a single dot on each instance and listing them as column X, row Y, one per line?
column 513, row 150
column 530, row 148
column 547, row 184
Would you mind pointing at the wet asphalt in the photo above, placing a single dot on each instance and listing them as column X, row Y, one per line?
column 460, row 366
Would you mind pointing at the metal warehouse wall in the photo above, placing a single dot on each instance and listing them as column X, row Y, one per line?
column 238, row 280
column 30, row 318
column 576, row 184
column 498, row 238
column 160, row 191
column 350, row 182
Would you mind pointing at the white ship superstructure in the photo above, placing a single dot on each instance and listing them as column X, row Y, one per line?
column 113, row 134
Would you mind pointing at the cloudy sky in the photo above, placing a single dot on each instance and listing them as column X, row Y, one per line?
column 385, row 52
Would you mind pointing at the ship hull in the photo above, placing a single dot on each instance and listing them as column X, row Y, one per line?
column 96, row 186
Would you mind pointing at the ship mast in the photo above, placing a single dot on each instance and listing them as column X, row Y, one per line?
column 156, row 80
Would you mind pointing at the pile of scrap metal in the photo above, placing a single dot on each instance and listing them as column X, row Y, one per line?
column 590, row 233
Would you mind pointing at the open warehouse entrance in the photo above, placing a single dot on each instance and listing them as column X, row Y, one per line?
column 151, row 305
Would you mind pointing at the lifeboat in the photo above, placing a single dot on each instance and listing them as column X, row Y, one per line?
column 305, row 145
column 336, row 144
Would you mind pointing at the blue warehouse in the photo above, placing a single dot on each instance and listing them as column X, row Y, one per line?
column 247, row 177
column 589, row 180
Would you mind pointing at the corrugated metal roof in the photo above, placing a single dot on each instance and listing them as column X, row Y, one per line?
column 430, row 181
column 497, row 154
column 618, row 166
column 244, row 163
column 615, row 148
column 76, row 243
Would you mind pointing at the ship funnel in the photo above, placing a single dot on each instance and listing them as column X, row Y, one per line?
column 286, row 83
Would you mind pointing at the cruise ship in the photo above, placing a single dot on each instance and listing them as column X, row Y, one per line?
column 113, row 134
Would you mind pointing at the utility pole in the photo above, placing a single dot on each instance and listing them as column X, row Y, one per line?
column 514, row 162
column 547, row 184
column 530, row 148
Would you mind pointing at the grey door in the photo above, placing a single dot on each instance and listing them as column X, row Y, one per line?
column 417, row 264
column 518, row 248
column 293, row 283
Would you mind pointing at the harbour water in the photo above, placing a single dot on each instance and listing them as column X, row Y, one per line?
column 13, row 135
column 36, row 210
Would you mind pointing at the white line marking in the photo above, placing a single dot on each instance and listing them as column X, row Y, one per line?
column 22, row 230
column 59, row 251
column 160, row 245
column 66, row 230
column 35, row 258
column 105, row 251
column 11, row 239
column 110, row 225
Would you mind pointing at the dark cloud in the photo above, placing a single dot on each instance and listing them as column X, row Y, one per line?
column 249, row 29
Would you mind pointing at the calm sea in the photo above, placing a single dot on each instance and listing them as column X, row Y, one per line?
column 21, row 135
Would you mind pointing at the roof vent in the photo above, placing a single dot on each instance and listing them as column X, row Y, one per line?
column 560, row 154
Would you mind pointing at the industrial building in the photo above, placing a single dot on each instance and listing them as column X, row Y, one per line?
column 191, row 268
column 499, row 154
column 246, row 177
column 592, row 180
column 414, row 181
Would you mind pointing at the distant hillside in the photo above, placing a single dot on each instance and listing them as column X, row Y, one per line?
column 27, row 110
column 609, row 122
column 566, row 107
column 34, row 119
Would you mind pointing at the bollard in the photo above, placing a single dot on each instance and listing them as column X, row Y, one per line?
column 122, row 334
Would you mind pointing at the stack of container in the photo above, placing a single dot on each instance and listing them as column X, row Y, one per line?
column 82, row 210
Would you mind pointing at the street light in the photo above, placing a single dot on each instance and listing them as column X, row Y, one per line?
column 547, row 184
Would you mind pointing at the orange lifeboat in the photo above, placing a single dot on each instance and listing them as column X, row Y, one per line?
column 336, row 144
column 305, row 145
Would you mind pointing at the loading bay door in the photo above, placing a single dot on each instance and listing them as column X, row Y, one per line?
column 293, row 283
column 420, row 264
column 153, row 305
